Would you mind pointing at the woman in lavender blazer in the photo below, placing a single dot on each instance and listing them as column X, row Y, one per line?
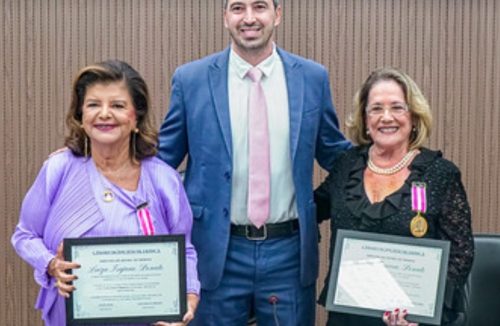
column 98, row 185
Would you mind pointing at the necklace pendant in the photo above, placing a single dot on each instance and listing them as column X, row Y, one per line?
column 108, row 195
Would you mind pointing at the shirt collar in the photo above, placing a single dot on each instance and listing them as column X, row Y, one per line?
column 241, row 67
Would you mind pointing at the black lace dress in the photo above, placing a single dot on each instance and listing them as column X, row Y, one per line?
column 342, row 197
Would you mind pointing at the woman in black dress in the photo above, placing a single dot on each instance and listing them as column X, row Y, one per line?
column 370, row 187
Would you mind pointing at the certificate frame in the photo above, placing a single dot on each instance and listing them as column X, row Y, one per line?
column 127, row 279
column 342, row 299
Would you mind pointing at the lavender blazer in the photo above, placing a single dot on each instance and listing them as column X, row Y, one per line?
column 62, row 204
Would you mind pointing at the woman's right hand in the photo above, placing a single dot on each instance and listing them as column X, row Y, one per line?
column 397, row 318
column 192, row 304
column 57, row 269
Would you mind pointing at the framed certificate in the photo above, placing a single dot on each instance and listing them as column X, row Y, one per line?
column 137, row 279
column 372, row 273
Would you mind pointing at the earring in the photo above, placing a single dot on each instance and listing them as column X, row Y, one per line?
column 85, row 142
column 367, row 132
column 414, row 129
column 134, row 136
column 86, row 146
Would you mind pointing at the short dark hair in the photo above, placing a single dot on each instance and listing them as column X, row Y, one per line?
column 276, row 3
column 104, row 73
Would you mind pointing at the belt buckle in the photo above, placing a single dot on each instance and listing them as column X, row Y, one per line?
column 249, row 237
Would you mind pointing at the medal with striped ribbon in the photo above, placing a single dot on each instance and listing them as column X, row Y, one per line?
column 418, row 224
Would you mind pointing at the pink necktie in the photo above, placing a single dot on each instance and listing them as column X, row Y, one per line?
column 259, row 164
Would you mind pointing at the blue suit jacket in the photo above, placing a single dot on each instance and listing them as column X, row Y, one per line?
column 198, row 125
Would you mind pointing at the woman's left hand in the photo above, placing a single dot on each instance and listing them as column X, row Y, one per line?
column 397, row 318
column 192, row 304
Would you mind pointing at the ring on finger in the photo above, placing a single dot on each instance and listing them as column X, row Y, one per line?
column 59, row 283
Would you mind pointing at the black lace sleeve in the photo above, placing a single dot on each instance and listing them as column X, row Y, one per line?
column 322, row 200
column 322, row 194
column 455, row 225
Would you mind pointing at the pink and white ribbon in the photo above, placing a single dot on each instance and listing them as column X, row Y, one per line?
column 418, row 197
column 145, row 220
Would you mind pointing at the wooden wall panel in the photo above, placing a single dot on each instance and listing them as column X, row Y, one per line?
column 450, row 47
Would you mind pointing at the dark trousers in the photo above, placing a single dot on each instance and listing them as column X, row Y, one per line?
column 257, row 273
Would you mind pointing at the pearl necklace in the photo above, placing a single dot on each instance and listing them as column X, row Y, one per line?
column 393, row 169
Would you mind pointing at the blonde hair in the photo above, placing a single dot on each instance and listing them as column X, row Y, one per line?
column 417, row 106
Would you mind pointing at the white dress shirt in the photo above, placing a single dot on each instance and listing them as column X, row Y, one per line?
column 283, row 205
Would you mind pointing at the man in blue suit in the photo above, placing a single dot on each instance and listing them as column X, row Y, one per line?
column 269, row 270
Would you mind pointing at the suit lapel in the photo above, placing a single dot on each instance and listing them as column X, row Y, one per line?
column 217, row 76
column 295, row 88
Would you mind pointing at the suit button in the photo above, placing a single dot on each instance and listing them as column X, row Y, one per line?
column 226, row 212
column 227, row 175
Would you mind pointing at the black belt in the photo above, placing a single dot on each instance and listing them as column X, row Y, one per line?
column 266, row 231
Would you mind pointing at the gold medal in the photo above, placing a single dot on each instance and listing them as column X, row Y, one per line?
column 108, row 196
column 418, row 226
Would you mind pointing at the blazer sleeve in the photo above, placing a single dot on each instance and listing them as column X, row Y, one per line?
column 173, row 141
column 28, row 235
column 331, row 142
column 179, row 219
